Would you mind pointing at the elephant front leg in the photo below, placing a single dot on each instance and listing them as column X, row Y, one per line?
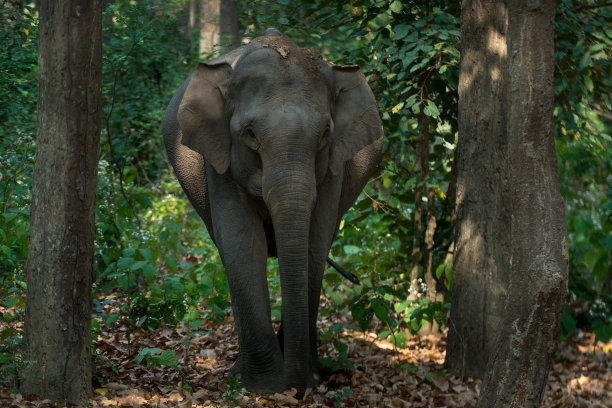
column 316, row 269
column 259, row 365
column 241, row 241
column 323, row 228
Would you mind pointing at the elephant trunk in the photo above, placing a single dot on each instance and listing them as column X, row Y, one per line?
column 290, row 196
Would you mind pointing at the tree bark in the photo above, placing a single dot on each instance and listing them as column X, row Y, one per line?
column 418, row 212
column 219, row 24
column 538, row 281
column 60, row 265
column 430, row 228
column 481, row 261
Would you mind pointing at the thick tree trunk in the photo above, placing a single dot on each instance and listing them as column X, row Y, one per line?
column 210, row 27
column 218, row 24
column 57, row 335
column 538, row 281
column 482, row 240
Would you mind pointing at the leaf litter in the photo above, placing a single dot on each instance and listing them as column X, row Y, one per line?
column 187, row 368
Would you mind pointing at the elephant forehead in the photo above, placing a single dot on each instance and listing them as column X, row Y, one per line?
column 280, row 65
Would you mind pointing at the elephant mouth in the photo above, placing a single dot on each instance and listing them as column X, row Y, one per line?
column 270, row 238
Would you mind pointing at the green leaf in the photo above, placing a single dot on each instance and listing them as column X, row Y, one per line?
column 440, row 270
column 381, row 309
column 137, row 265
column 167, row 358
column 173, row 287
column 8, row 217
column 146, row 253
column 396, row 6
column 401, row 306
column 400, row 31
column 148, row 271
column 11, row 301
column 588, row 82
column 604, row 333
column 337, row 297
column 112, row 319
column 146, row 352
column 170, row 262
column 351, row 249
column 431, row 109
column 341, row 347
column 125, row 263
column 568, row 323
column 399, row 340
column 337, row 327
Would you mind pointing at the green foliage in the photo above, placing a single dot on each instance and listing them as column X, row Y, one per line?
column 338, row 396
column 143, row 219
column 10, row 340
column 155, row 262
column 583, row 89
column 234, row 392
column 341, row 361
column 154, row 356
column 145, row 59
column 18, row 90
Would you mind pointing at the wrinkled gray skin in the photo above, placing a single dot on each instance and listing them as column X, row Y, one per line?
column 272, row 144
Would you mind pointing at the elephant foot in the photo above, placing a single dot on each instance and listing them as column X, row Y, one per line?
column 317, row 373
column 266, row 379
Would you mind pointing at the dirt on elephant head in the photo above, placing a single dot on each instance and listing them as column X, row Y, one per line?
column 309, row 61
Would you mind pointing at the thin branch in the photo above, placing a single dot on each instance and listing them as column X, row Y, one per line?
column 110, row 142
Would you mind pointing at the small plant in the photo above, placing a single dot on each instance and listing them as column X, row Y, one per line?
column 153, row 357
column 341, row 362
column 234, row 392
column 10, row 361
column 338, row 396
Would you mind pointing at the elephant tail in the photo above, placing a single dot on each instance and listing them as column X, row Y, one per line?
column 351, row 277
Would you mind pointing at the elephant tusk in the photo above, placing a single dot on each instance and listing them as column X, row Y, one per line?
column 351, row 277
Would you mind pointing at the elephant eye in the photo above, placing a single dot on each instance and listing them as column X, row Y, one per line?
column 325, row 139
column 251, row 140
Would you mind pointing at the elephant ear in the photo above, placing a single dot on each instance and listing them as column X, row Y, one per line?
column 202, row 114
column 357, row 123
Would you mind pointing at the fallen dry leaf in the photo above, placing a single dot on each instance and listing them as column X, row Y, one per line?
column 383, row 376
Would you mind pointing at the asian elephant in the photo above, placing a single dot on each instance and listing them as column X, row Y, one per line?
column 272, row 144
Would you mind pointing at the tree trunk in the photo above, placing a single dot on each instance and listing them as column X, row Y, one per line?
column 421, row 166
column 482, row 240
column 538, row 281
column 218, row 25
column 230, row 22
column 418, row 215
column 430, row 229
column 60, row 268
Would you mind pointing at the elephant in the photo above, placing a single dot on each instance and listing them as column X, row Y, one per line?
column 272, row 144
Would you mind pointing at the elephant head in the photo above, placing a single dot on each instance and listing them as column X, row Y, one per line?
column 283, row 122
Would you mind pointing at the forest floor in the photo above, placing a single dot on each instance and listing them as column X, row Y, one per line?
column 382, row 376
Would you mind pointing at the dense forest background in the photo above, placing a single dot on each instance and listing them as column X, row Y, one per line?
column 156, row 266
